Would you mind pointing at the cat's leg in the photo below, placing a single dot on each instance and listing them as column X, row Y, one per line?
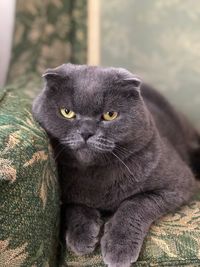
column 125, row 231
column 83, row 227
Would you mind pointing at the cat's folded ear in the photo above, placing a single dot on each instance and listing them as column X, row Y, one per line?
column 134, row 81
column 50, row 73
column 129, row 79
column 55, row 75
column 130, row 84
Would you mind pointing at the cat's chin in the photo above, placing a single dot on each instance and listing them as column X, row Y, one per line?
column 85, row 156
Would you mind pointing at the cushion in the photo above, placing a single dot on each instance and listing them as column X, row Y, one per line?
column 29, row 195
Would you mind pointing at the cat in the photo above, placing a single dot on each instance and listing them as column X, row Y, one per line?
column 121, row 150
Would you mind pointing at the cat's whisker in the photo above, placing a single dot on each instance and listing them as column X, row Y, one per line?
column 67, row 142
column 71, row 142
column 124, row 165
column 106, row 158
column 101, row 138
column 123, row 148
column 121, row 153
column 57, row 146
column 101, row 146
column 67, row 139
column 59, row 153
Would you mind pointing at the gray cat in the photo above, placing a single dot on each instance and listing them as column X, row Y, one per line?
column 122, row 150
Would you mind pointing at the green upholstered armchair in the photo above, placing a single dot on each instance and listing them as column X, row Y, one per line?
column 48, row 33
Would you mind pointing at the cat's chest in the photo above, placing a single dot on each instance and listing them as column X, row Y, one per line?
column 103, row 189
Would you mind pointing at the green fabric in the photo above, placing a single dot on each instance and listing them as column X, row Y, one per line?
column 47, row 34
column 160, row 41
column 29, row 198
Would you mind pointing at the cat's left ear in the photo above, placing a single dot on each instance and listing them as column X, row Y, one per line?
column 130, row 80
column 134, row 81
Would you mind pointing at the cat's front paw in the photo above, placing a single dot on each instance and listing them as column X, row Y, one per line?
column 118, row 248
column 83, row 237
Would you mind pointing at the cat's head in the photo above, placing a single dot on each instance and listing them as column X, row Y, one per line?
column 97, row 113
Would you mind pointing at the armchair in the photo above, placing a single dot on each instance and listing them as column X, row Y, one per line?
column 48, row 33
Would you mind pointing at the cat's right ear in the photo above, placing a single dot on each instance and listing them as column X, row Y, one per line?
column 53, row 80
column 51, row 74
column 55, row 76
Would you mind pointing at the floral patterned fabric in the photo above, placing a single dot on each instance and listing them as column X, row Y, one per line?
column 47, row 34
column 29, row 199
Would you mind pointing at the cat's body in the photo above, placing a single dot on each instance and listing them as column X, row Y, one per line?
column 136, row 167
column 105, row 193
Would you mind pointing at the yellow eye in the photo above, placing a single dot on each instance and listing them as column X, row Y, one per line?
column 68, row 114
column 110, row 116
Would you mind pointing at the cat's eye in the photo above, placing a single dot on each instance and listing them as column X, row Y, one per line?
column 110, row 116
column 67, row 113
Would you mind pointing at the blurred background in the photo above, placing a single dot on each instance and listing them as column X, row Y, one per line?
column 157, row 39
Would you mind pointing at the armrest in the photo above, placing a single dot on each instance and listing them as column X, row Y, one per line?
column 29, row 194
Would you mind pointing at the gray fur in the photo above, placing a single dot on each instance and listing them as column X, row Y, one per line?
column 136, row 168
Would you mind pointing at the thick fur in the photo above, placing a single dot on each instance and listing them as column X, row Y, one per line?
column 135, row 168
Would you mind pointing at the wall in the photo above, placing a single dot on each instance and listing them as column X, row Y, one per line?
column 160, row 40
column 7, row 9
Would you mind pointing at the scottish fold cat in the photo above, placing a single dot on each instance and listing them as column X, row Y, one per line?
column 121, row 150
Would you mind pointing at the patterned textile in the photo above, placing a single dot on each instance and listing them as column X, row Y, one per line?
column 159, row 40
column 47, row 34
column 29, row 198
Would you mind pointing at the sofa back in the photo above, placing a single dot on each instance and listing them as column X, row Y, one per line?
column 47, row 34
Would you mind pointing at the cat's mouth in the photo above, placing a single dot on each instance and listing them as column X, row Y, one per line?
column 88, row 152
column 94, row 144
column 101, row 146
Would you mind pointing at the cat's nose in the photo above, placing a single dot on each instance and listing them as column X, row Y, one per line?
column 86, row 135
column 87, row 129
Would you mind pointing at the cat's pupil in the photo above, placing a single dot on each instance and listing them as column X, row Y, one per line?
column 110, row 113
column 67, row 111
